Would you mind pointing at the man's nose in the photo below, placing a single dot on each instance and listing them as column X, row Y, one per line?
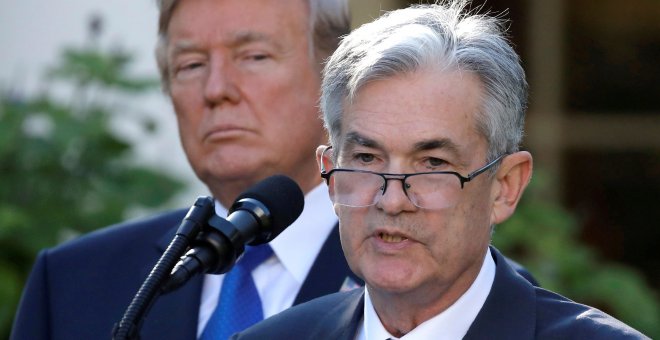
column 394, row 200
column 221, row 82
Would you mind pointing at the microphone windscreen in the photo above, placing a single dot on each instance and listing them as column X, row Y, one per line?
column 282, row 196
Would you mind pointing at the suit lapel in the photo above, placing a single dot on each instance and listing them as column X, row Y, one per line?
column 174, row 315
column 329, row 273
column 342, row 320
column 350, row 322
column 510, row 309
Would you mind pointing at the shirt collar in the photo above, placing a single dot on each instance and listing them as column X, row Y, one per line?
column 452, row 323
column 305, row 236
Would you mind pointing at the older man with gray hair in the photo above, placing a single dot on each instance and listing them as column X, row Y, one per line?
column 425, row 110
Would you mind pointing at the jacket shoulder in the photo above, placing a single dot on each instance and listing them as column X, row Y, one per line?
column 90, row 279
column 559, row 317
column 125, row 232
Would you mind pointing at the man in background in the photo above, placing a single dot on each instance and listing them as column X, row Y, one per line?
column 244, row 80
column 425, row 111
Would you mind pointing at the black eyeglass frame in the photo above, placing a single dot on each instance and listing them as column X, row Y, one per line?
column 402, row 177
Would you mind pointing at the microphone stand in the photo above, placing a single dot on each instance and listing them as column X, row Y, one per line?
column 192, row 224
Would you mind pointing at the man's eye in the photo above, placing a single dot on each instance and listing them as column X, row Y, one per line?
column 433, row 162
column 365, row 157
column 259, row 57
column 256, row 56
column 191, row 66
column 188, row 70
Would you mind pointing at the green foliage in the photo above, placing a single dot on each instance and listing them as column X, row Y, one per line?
column 544, row 238
column 64, row 171
column 87, row 67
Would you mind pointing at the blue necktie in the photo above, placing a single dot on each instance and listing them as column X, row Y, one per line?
column 239, row 306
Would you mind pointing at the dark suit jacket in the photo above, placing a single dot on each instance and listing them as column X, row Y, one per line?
column 80, row 289
column 514, row 309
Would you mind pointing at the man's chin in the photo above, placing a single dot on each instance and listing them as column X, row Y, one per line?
column 231, row 174
column 389, row 283
column 231, row 166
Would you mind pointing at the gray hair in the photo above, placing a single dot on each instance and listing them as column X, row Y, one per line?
column 329, row 21
column 439, row 36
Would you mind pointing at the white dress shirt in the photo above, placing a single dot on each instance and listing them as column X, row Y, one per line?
column 279, row 278
column 453, row 323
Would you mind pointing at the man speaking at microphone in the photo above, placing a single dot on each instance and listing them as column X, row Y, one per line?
column 244, row 80
column 425, row 109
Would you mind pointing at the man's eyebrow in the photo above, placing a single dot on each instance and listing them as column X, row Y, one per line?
column 354, row 138
column 235, row 40
column 184, row 45
column 431, row 144
column 246, row 37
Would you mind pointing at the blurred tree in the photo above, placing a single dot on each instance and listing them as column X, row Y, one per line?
column 64, row 171
column 544, row 238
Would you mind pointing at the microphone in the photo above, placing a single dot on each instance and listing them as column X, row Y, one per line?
column 257, row 216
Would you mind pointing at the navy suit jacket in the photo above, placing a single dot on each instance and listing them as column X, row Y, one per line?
column 514, row 309
column 80, row 289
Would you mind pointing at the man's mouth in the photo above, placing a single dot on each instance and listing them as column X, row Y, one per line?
column 389, row 238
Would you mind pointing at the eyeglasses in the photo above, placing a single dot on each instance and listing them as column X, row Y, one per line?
column 428, row 190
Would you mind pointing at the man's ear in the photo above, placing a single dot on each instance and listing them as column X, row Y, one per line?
column 511, row 179
column 323, row 160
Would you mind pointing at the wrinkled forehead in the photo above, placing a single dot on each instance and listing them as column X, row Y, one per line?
column 418, row 111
